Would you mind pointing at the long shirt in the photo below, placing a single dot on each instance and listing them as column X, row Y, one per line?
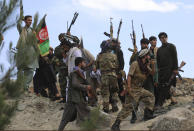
column 167, row 61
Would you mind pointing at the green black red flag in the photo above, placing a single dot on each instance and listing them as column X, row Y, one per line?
column 43, row 38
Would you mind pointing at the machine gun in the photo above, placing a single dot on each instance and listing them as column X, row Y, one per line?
column 133, row 38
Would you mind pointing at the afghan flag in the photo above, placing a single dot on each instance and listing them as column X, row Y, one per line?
column 43, row 40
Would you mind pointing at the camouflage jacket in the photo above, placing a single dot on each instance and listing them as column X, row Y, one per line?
column 58, row 59
column 107, row 63
column 138, row 77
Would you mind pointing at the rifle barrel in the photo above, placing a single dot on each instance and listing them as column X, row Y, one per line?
column 118, row 32
column 73, row 21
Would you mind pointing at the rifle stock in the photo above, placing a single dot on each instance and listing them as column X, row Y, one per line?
column 174, row 75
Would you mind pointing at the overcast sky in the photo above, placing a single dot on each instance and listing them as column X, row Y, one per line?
column 175, row 17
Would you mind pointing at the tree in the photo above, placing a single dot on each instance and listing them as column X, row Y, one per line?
column 10, row 88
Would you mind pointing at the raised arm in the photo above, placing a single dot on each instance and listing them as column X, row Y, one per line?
column 19, row 23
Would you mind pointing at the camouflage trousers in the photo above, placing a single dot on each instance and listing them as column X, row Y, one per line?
column 131, row 101
column 63, row 84
column 109, row 90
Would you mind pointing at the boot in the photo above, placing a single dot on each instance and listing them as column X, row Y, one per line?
column 106, row 107
column 148, row 114
column 62, row 125
column 133, row 118
column 114, row 107
column 116, row 125
column 105, row 110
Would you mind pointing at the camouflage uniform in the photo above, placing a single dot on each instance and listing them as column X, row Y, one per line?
column 138, row 94
column 61, row 68
column 108, row 63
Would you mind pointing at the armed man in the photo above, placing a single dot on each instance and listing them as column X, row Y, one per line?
column 76, row 106
column 138, row 72
column 117, row 50
column 148, row 83
column 115, row 44
column 144, row 42
column 60, row 59
column 90, row 61
column 107, row 62
column 61, row 67
column 167, row 66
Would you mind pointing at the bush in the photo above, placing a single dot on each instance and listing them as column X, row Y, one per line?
column 95, row 121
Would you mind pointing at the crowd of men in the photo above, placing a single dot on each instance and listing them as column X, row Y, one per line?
column 149, row 79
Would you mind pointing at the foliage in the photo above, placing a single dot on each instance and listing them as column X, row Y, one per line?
column 94, row 122
column 11, row 89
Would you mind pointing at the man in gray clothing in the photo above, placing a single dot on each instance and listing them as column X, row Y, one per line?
column 76, row 106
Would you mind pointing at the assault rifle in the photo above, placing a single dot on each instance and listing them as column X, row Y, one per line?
column 111, row 29
column 174, row 74
column 81, row 44
column 133, row 38
column 67, row 35
column 119, row 28
column 142, row 31
column 110, row 35
column 72, row 22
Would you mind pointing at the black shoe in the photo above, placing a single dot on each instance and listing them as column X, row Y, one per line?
column 55, row 98
column 133, row 118
column 116, row 125
column 148, row 114
column 62, row 101
column 115, row 108
column 173, row 103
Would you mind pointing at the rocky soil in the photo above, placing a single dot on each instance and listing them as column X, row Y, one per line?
column 39, row 113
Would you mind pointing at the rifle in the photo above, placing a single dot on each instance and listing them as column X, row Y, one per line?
column 133, row 38
column 142, row 31
column 70, row 37
column 67, row 25
column 107, row 34
column 1, row 37
column 90, row 93
column 81, row 43
column 111, row 29
column 119, row 28
column 14, row 50
column 21, row 11
column 73, row 21
column 174, row 75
